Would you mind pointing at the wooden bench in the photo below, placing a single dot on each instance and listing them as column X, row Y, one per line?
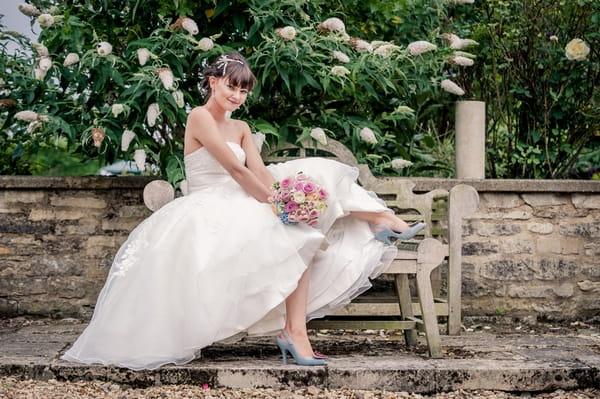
column 441, row 240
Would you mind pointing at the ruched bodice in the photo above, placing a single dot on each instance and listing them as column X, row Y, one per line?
column 203, row 171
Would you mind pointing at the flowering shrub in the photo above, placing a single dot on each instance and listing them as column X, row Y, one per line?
column 115, row 80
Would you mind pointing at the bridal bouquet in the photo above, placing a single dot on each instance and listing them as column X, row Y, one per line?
column 298, row 199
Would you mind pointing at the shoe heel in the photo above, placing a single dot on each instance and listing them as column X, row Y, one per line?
column 283, row 348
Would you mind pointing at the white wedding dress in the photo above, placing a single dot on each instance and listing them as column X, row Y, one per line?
column 216, row 263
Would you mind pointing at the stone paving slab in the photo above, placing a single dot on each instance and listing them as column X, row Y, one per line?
column 507, row 362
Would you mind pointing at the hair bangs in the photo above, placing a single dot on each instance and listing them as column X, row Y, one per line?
column 240, row 75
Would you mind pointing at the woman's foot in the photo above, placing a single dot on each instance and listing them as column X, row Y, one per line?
column 287, row 345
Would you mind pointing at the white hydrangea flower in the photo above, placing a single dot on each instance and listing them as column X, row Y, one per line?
column 40, row 73
column 97, row 136
column 139, row 156
column 460, row 60
column 420, row 46
column 45, row 63
column 378, row 43
column 361, row 45
column 54, row 10
column 341, row 57
column 190, row 26
column 178, row 97
column 143, row 55
column 33, row 126
column 152, row 114
column 286, row 33
column 465, row 54
column 205, row 44
column 319, row 135
column 41, row 49
column 577, row 50
column 29, row 10
column 367, row 135
column 452, row 87
column 104, row 48
column 117, row 109
column 400, row 163
column 45, row 20
column 28, row 116
column 126, row 139
column 385, row 50
column 340, row 70
column 166, row 77
column 553, row 38
column 332, row 25
column 71, row 59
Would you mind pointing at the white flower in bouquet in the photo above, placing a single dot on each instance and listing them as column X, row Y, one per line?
column 126, row 139
column 319, row 135
column 40, row 73
column 400, row 163
column 577, row 50
column 41, row 49
column 452, row 87
column 166, row 77
column 143, row 55
column 152, row 113
column 30, row 116
column 97, row 136
column 71, row 59
column 367, row 135
column 190, row 26
column 45, row 20
column 139, row 156
column 178, row 97
column 420, row 46
column 460, row 61
column 29, row 10
column 332, row 25
column 340, row 70
column 45, row 63
column 104, row 48
column 286, row 33
column 361, row 45
column 385, row 50
column 341, row 57
column 205, row 44
column 117, row 109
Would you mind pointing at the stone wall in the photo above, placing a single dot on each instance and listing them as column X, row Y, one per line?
column 531, row 249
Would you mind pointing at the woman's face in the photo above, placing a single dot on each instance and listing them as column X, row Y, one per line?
column 226, row 95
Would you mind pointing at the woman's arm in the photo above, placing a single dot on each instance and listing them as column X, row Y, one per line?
column 253, row 159
column 201, row 125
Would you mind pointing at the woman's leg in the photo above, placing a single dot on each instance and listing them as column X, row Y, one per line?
column 387, row 219
column 295, row 322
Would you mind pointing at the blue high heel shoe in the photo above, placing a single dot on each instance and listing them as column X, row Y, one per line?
column 385, row 233
column 288, row 346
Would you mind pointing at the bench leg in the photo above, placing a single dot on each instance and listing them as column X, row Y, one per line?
column 405, row 302
column 432, row 331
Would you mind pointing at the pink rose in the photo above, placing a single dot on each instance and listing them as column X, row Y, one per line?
column 299, row 186
column 301, row 176
column 286, row 196
column 323, row 194
column 286, row 183
column 291, row 206
column 314, row 213
column 309, row 188
column 313, row 222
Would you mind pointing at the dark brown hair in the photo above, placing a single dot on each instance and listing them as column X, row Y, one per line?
column 234, row 67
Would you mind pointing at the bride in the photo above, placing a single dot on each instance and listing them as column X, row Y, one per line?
column 218, row 262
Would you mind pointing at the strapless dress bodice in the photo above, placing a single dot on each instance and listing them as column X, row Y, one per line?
column 202, row 170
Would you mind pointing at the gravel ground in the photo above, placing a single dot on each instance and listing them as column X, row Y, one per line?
column 11, row 388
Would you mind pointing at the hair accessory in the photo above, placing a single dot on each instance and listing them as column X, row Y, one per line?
column 224, row 60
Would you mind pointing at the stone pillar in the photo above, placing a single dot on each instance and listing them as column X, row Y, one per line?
column 470, row 140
